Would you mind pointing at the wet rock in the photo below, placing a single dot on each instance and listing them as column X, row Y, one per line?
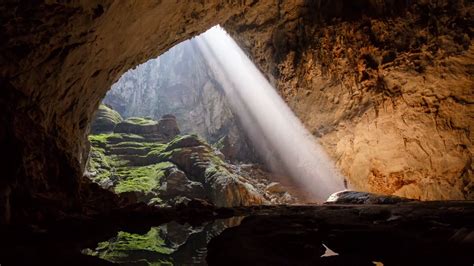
column 186, row 141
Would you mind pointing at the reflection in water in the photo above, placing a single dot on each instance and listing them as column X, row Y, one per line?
column 167, row 244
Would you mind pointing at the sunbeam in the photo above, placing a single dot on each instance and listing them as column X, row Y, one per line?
column 279, row 136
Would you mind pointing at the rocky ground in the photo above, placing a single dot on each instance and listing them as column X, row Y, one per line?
column 143, row 160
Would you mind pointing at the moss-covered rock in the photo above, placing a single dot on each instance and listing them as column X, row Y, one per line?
column 105, row 120
column 202, row 164
column 141, row 183
column 140, row 165
column 164, row 129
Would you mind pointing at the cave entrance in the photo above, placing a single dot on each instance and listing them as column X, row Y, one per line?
column 201, row 122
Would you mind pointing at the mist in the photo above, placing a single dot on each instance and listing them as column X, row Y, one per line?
column 278, row 135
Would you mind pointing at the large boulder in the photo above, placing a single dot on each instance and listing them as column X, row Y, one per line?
column 105, row 120
column 176, row 184
column 201, row 164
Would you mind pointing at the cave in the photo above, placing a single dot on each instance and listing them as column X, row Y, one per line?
column 385, row 87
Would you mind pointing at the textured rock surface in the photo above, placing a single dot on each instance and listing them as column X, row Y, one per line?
column 141, row 164
column 165, row 129
column 415, row 233
column 387, row 87
column 105, row 120
column 387, row 84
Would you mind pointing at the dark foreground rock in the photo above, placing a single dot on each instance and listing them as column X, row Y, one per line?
column 413, row 233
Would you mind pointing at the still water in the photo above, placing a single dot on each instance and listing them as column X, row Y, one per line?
column 167, row 244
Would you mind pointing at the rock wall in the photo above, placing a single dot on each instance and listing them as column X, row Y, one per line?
column 386, row 85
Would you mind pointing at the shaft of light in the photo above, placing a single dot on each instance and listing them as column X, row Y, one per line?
column 279, row 136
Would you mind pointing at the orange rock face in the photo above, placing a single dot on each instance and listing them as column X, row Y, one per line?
column 389, row 92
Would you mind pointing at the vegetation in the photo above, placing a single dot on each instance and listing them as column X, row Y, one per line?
column 110, row 114
column 142, row 121
column 131, row 163
column 105, row 120
column 122, row 248
column 140, row 179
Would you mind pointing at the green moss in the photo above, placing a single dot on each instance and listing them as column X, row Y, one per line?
column 104, row 139
column 185, row 141
column 130, row 150
column 142, row 121
column 124, row 246
column 142, row 178
column 110, row 114
column 99, row 140
column 98, row 163
column 127, row 144
column 157, row 151
column 105, row 120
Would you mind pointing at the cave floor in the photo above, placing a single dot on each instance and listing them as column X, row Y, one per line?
column 410, row 233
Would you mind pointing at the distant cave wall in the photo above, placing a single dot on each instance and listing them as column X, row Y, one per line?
column 386, row 85
column 182, row 83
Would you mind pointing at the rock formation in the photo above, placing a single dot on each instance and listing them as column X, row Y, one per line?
column 143, row 160
column 105, row 120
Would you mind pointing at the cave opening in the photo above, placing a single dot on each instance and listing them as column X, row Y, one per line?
column 202, row 122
